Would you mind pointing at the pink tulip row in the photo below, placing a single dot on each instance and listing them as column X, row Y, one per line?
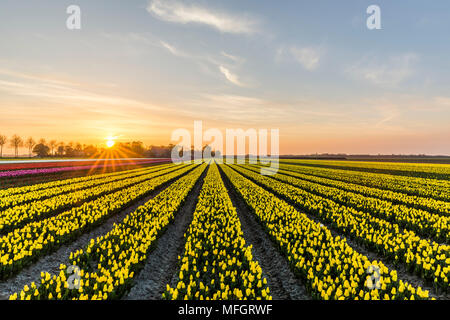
column 18, row 173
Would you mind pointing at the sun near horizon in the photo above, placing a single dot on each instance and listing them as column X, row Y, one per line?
column 110, row 142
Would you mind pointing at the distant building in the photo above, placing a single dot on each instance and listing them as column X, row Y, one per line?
column 160, row 152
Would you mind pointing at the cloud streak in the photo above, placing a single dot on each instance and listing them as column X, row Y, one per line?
column 46, row 88
column 172, row 49
column 211, row 64
column 388, row 112
column 233, row 78
column 390, row 73
column 177, row 12
column 232, row 57
column 308, row 57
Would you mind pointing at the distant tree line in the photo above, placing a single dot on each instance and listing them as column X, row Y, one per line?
column 53, row 148
column 43, row 148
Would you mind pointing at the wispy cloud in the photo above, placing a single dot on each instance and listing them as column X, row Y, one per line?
column 279, row 53
column 34, row 77
column 236, row 109
column 391, row 72
column 246, row 110
column 233, row 78
column 172, row 49
column 232, row 57
column 52, row 89
column 211, row 64
column 388, row 112
column 177, row 12
column 308, row 57
column 442, row 101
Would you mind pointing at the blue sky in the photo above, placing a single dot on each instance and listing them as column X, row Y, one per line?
column 139, row 69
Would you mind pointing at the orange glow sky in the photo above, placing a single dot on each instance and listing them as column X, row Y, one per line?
column 140, row 70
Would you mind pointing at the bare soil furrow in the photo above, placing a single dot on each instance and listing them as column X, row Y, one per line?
column 283, row 284
column 162, row 262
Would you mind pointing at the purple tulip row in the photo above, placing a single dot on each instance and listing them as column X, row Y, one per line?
column 18, row 173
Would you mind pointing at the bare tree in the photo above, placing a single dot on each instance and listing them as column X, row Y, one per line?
column 60, row 150
column 30, row 143
column 52, row 144
column 42, row 141
column 16, row 142
column 3, row 141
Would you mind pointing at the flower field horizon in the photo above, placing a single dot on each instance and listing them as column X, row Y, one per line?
column 331, row 230
column 225, row 159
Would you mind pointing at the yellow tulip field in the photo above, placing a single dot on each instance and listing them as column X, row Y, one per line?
column 342, row 230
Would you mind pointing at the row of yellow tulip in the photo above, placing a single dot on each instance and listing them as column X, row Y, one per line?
column 424, row 223
column 18, row 216
column 428, row 204
column 58, row 183
column 17, row 199
column 22, row 246
column 330, row 268
column 217, row 264
column 427, row 188
column 427, row 258
column 108, row 264
column 426, row 170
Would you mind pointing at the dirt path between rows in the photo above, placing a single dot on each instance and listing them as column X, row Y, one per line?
column 50, row 263
column 400, row 267
column 283, row 284
column 162, row 262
